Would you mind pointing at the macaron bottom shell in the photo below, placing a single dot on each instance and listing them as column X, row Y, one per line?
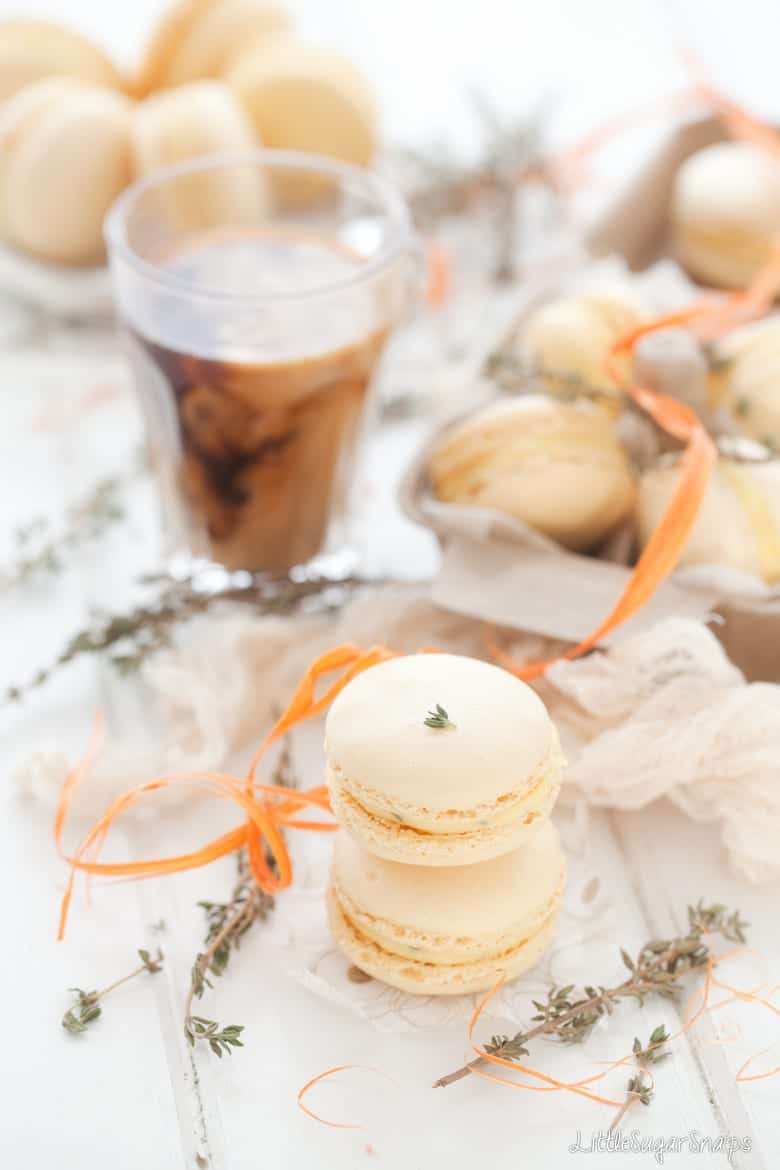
column 431, row 978
column 720, row 258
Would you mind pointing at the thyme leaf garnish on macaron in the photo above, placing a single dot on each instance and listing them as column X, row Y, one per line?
column 437, row 717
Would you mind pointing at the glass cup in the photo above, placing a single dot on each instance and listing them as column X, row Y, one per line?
column 256, row 293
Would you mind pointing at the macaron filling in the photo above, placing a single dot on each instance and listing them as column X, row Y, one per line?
column 442, row 949
column 523, row 803
column 433, row 976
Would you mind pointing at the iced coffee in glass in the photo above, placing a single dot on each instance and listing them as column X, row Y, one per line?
column 256, row 293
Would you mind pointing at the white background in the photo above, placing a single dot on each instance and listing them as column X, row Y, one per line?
column 594, row 57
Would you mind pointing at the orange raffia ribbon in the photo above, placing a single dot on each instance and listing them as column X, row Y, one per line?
column 329, row 1072
column 310, row 1085
column 269, row 808
column 439, row 273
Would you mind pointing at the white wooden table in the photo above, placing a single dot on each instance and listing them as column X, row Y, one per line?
column 131, row 1094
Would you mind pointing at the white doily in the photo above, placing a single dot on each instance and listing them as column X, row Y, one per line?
column 312, row 959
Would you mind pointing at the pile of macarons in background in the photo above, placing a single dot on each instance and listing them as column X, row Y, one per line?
column 572, row 460
column 216, row 75
column 442, row 771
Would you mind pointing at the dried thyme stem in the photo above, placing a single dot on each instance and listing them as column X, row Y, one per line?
column 125, row 979
column 623, row 1110
column 41, row 550
column 86, row 1007
column 539, row 1030
column 627, row 988
column 639, row 1089
column 203, row 961
column 128, row 639
column 656, row 970
column 227, row 924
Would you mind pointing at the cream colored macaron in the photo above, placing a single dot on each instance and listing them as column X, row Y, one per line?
column 725, row 213
column 453, row 794
column 64, row 158
column 21, row 113
column 739, row 520
column 439, row 931
column 557, row 466
column 31, row 50
column 753, row 382
column 301, row 98
column 569, row 339
column 197, row 39
column 203, row 117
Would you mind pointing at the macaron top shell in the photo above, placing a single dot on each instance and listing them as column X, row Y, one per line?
column 303, row 98
column 730, row 184
column 66, row 157
column 200, row 38
column 464, row 901
column 499, row 738
column 31, row 50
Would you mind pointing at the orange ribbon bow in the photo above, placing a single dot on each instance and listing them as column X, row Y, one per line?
column 268, row 807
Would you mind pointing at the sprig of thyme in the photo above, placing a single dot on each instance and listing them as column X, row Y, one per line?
column 127, row 639
column 86, row 1007
column 658, row 968
column 227, row 923
column 640, row 1087
column 41, row 550
column 438, row 717
column 219, row 1040
column 511, row 151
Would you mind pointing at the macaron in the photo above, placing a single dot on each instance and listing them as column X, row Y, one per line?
column 442, row 931
column 739, row 519
column 725, row 213
column 439, row 759
column 17, row 116
column 559, row 467
column 31, row 50
column 64, row 158
column 753, row 382
column 302, row 98
column 203, row 117
column 197, row 39
column 568, row 340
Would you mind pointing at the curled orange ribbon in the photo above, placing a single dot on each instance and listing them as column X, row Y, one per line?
column 268, row 808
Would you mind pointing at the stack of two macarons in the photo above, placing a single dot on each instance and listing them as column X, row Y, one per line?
column 447, row 872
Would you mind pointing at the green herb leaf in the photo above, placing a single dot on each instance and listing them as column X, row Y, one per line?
column 438, row 718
